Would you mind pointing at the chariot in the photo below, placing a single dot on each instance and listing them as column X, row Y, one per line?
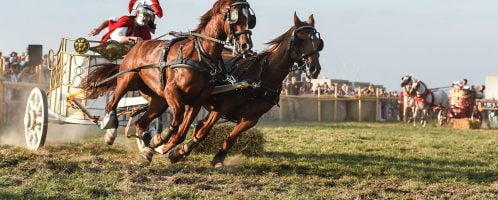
column 65, row 101
column 462, row 105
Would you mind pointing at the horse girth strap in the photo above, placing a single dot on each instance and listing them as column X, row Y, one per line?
column 191, row 64
column 269, row 95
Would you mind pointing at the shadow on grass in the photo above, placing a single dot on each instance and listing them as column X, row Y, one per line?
column 360, row 166
column 331, row 125
column 337, row 165
column 89, row 148
column 29, row 195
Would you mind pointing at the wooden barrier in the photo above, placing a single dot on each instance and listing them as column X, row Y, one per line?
column 2, row 65
column 319, row 107
column 334, row 101
column 20, row 86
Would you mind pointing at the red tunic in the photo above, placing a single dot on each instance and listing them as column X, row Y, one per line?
column 133, row 30
column 158, row 11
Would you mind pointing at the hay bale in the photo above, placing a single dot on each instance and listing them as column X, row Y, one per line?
column 250, row 142
column 466, row 123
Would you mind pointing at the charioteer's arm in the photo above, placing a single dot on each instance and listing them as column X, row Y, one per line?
column 119, row 35
column 99, row 29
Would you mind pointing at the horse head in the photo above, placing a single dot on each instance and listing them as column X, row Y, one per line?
column 239, row 18
column 418, row 88
column 305, row 46
column 406, row 79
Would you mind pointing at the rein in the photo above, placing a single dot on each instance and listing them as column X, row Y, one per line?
column 186, row 34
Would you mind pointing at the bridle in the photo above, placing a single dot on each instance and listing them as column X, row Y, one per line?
column 232, row 39
column 232, row 16
column 302, row 57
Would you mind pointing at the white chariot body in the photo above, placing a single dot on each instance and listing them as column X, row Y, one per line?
column 65, row 101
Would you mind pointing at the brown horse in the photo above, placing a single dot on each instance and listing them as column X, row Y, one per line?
column 188, row 64
column 301, row 45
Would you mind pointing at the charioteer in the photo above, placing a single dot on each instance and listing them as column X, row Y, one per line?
column 133, row 28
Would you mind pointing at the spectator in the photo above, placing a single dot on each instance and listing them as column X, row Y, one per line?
column 12, row 72
column 306, row 89
column 369, row 91
column 13, row 58
column 293, row 88
column 317, row 88
column 325, row 88
column 345, row 90
column 23, row 60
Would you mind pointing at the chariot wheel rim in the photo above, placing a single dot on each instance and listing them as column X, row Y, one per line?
column 36, row 119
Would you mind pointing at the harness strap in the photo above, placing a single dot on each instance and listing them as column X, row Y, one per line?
column 262, row 92
column 151, row 66
column 162, row 66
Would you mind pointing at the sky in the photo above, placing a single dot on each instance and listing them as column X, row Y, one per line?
column 378, row 41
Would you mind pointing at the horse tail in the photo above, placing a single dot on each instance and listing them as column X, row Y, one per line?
column 98, row 74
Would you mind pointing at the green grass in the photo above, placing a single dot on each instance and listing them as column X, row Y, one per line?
column 302, row 161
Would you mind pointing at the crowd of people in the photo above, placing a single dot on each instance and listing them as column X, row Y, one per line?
column 16, row 68
column 297, row 84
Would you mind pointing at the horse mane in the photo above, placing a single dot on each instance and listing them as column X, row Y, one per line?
column 274, row 44
column 425, row 85
column 210, row 13
column 277, row 42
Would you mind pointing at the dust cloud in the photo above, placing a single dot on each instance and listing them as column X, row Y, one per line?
column 57, row 133
column 235, row 161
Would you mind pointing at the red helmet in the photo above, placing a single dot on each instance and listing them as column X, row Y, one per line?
column 153, row 4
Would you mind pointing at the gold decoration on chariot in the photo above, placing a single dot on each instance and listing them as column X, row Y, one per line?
column 81, row 45
column 111, row 50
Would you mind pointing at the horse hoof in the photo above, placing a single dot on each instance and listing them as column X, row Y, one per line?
column 218, row 165
column 155, row 141
column 146, row 138
column 148, row 153
column 174, row 155
column 110, row 136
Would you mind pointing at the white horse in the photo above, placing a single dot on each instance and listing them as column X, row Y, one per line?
column 408, row 101
column 425, row 99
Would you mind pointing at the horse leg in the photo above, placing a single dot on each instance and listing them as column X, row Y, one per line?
column 415, row 113
column 157, row 106
column 178, row 153
column 110, row 121
column 200, row 132
column 405, row 113
column 244, row 125
column 424, row 116
column 173, row 98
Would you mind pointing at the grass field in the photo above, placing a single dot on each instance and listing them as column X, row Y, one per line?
column 302, row 161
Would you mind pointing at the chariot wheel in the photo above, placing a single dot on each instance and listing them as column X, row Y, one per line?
column 442, row 118
column 36, row 119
